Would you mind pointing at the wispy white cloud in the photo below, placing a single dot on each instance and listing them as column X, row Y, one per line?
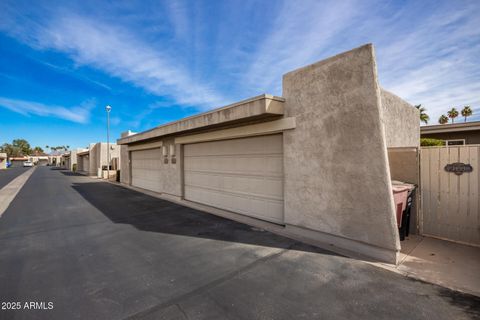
column 78, row 114
column 120, row 53
column 301, row 33
column 427, row 52
column 202, row 55
column 435, row 60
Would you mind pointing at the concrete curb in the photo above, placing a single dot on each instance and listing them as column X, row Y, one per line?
column 10, row 191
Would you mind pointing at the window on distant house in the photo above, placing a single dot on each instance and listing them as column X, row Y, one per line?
column 456, row 142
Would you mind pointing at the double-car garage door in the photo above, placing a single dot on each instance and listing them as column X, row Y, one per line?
column 240, row 175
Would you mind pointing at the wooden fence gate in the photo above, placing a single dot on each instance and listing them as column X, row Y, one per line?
column 450, row 195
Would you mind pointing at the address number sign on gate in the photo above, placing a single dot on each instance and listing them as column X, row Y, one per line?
column 458, row 168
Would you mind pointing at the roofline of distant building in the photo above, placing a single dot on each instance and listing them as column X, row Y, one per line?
column 450, row 127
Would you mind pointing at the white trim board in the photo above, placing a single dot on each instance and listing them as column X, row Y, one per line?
column 263, row 128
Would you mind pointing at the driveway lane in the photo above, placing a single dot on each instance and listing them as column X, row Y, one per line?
column 100, row 251
column 136, row 253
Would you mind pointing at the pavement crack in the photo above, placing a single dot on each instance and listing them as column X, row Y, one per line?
column 208, row 286
column 182, row 311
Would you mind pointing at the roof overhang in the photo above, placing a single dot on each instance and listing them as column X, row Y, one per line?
column 453, row 127
column 263, row 106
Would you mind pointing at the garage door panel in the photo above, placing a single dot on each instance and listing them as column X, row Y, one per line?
column 146, row 166
column 255, row 165
column 86, row 164
column 266, row 187
column 240, row 175
column 256, row 145
column 248, row 205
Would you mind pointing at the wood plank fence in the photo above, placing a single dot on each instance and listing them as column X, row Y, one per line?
column 450, row 202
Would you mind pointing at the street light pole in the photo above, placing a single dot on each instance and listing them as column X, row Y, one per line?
column 108, row 108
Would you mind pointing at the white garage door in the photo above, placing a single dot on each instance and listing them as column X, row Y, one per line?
column 239, row 175
column 146, row 166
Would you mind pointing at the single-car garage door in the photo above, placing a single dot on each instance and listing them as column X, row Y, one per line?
column 240, row 175
column 146, row 165
column 86, row 164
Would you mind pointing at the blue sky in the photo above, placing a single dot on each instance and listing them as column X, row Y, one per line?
column 157, row 61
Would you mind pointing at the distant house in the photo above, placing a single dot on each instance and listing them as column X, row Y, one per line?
column 94, row 160
column 69, row 159
column 454, row 133
column 55, row 158
column 18, row 161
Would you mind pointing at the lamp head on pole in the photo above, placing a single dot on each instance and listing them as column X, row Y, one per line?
column 108, row 108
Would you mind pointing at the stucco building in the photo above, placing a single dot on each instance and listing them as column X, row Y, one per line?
column 92, row 160
column 315, row 164
column 17, row 161
column 70, row 159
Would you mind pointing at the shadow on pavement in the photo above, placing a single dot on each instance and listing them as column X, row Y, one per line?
column 151, row 214
column 70, row 173
column 467, row 302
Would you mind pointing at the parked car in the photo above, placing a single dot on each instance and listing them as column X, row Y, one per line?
column 28, row 164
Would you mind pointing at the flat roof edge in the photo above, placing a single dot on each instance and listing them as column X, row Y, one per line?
column 452, row 127
column 188, row 123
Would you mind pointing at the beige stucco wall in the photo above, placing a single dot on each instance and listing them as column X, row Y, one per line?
column 401, row 121
column 124, row 165
column 402, row 132
column 404, row 164
column 3, row 161
column 94, row 155
column 72, row 160
column 171, row 173
column 337, row 178
column 98, row 156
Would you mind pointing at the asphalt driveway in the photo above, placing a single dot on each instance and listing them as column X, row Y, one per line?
column 99, row 251
column 9, row 174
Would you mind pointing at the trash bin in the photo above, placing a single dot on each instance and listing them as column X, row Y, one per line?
column 404, row 230
column 403, row 198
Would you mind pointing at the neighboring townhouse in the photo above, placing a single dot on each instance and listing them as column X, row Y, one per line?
column 453, row 133
column 69, row 159
column 17, row 161
column 94, row 160
column 39, row 160
column 55, row 160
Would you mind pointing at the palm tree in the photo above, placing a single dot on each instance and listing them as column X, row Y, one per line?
column 423, row 114
column 443, row 119
column 452, row 114
column 466, row 112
